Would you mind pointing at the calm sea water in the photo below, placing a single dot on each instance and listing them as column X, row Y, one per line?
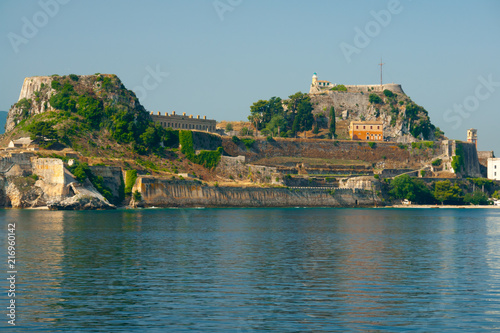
column 255, row 270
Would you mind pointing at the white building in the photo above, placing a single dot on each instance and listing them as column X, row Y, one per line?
column 494, row 168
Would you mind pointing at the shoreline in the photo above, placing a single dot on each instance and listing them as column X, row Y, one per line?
column 444, row 206
column 302, row 207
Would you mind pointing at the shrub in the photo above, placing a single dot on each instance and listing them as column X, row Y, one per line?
column 316, row 129
column 270, row 139
column 244, row 131
column 339, row 87
column 130, row 178
column 171, row 138
column 137, row 196
column 388, row 93
column 56, row 85
column 235, row 139
column 371, row 144
column 229, row 127
column 248, row 143
column 208, row 158
column 73, row 77
column 437, row 162
column 423, row 173
column 376, row 176
column 457, row 161
column 265, row 132
column 375, row 99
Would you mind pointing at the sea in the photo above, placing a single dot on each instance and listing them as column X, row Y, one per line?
column 250, row 270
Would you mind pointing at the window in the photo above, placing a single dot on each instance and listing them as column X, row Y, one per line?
column 371, row 127
column 378, row 127
column 357, row 127
column 495, row 166
column 364, row 127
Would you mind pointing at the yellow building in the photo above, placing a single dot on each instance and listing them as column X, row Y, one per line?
column 367, row 130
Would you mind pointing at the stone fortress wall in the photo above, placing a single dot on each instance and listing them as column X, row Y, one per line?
column 316, row 88
column 175, row 121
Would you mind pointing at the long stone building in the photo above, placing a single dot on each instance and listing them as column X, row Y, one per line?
column 175, row 121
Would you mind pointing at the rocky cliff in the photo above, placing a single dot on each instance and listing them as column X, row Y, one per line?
column 404, row 121
column 31, row 101
column 29, row 181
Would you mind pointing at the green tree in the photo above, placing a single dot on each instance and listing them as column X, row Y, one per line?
column 332, row 123
column 304, row 118
column 258, row 112
column 276, row 125
column 415, row 190
column 476, row 198
column 294, row 101
column 152, row 136
column 229, row 127
column 446, row 192
column 42, row 130
column 262, row 111
column 315, row 128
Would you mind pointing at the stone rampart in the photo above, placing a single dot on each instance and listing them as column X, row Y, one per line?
column 236, row 168
column 392, row 155
column 112, row 177
column 168, row 193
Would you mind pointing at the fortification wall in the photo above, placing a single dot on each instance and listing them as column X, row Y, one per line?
column 236, row 168
column 112, row 177
column 388, row 154
column 471, row 166
column 32, row 84
column 396, row 88
column 167, row 193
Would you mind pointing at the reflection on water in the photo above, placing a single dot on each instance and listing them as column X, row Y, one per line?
column 286, row 270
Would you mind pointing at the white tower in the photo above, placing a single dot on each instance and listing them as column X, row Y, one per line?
column 315, row 79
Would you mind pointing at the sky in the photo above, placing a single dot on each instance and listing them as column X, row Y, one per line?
column 217, row 57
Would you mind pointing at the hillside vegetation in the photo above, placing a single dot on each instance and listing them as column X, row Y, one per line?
column 97, row 117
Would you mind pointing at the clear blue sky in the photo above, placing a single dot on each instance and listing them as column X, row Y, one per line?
column 221, row 61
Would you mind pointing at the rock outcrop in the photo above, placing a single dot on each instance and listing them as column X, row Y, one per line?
column 31, row 101
column 46, row 183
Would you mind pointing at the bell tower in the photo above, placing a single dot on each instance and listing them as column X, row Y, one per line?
column 472, row 136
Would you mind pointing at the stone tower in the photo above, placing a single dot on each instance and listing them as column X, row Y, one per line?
column 315, row 79
column 472, row 136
